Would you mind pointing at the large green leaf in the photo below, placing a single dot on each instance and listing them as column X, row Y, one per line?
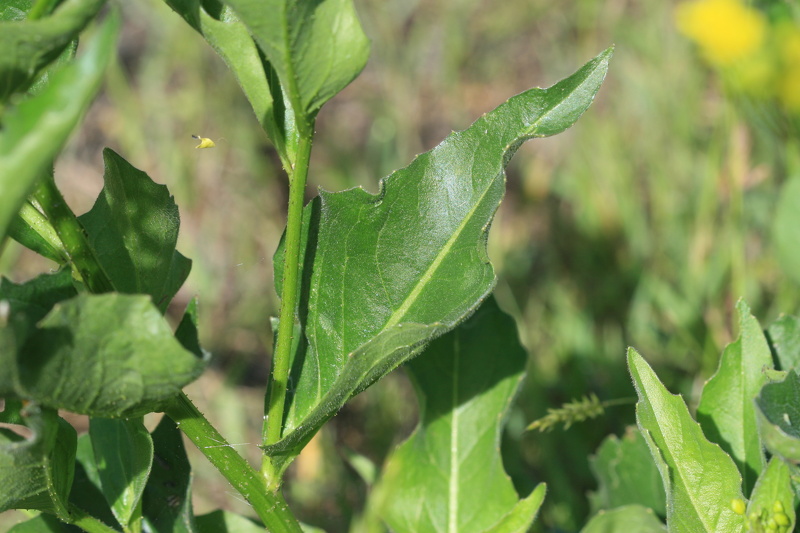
column 167, row 503
column 385, row 274
column 123, row 453
column 28, row 46
column 232, row 41
column 133, row 228
column 35, row 131
column 726, row 411
column 626, row 474
column 778, row 408
column 109, row 355
column 449, row 476
column 24, row 305
column 700, row 479
column 628, row 519
column 316, row 47
column 36, row 472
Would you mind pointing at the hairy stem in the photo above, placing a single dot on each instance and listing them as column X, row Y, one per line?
column 292, row 269
column 72, row 235
column 270, row 506
column 87, row 522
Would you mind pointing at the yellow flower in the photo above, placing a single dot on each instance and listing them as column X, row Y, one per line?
column 725, row 30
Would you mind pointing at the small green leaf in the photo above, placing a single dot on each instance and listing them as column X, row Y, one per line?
column 226, row 522
column 626, row 519
column 44, row 523
column 316, row 47
column 626, row 474
column 773, row 494
column 28, row 46
column 784, row 230
column 109, row 355
column 726, row 411
column 699, row 478
column 12, row 10
column 167, row 502
column 31, row 229
column 36, row 472
column 385, row 274
column 35, row 131
column 778, row 408
column 784, row 338
column 448, row 476
column 133, row 228
column 86, row 492
column 232, row 41
column 123, row 453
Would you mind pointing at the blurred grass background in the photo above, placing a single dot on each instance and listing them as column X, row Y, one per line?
column 642, row 225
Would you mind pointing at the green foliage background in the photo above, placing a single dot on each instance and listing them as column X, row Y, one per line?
column 641, row 226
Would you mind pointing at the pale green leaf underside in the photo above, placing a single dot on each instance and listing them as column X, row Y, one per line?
column 700, row 479
column 448, row 476
column 726, row 411
column 774, row 485
column 386, row 273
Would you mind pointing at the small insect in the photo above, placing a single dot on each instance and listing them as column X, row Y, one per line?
column 205, row 142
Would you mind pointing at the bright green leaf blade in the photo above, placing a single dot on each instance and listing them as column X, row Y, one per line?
column 167, row 502
column 230, row 38
column 36, row 473
column 449, row 476
column 521, row 517
column 386, row 273
column 317, row 47
column 133, row 228
column 784, row 338
column 784, row 230
column 627, row 519
column 25, row 304
column 35, row 131
column 774, row 485
column 109, row 355
column 778, row 407
column 726, row 411
column 86, row 493
column 28, row 46
column 700, row 479
column 626, row 474
column 123, row 452
column 31, row 229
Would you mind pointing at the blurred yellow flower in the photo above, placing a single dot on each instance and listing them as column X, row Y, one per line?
column 789, row 89
column 725, row 30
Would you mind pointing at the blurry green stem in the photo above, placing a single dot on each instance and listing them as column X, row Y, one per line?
column 72, row 235
column 270, row 506
column 40, row 9
column 291, row 274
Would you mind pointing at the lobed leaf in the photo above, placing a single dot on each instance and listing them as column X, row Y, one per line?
column 726, row 411
column 123, row 453
column 133, row 229
column 109, row 355
column 626, row 474
column 36, row 472
column 385, row 274
column 778, row 408
column 699, row 478
column 35, row 131
column 448, row 476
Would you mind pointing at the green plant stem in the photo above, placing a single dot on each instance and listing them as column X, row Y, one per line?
column 72, row 235
column 87, row 522
column 40, row 9
column 270, row 506
column 291, row 273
